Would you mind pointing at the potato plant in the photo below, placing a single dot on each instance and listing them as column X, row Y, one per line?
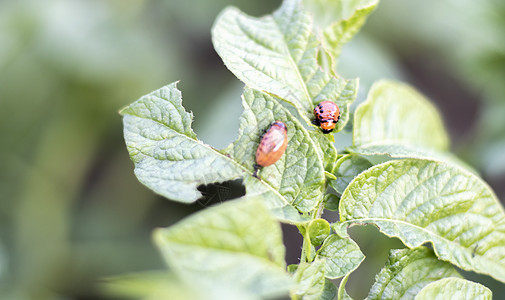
column 398, row 175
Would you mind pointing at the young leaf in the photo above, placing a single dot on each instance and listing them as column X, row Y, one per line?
column 235, row 244
column 168, row 158
column 454, row 288
column 407, row 271
column 278, row 54
column 318, row 230
column 342, row 256
column 397, row 114
column 423, row 201
column 298, row 177
column 331, row 201
column 346, row 168
column 337, row 21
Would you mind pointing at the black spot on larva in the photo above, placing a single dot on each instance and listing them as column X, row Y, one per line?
column 321, row 111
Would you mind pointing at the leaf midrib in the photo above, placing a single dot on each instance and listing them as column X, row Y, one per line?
column 291, row 60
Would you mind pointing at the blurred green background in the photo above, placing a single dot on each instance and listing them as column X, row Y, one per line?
column 71, row 210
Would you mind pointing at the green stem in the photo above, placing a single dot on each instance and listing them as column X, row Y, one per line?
column 306, row 248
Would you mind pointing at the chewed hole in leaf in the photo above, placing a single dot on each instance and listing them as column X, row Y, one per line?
column 293, row 240
column 214, row 193
column 375, row 246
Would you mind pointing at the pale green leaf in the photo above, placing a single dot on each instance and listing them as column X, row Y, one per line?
column 423, row 201
column 399, row 122
column 407, row 271
column 310, row 281
column 278, row 54
column 337, row 21
column 297, row 179
column 348, row 167
column 395, row 113
column 147, row 285
column 342, row 256
column 235, row 244
column 454, row 289
column 168, row 158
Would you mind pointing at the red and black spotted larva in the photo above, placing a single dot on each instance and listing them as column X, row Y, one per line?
column 327, row 115
column 272, row 146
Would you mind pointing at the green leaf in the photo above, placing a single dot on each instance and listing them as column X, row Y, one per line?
column 423, row 201
column 407, row 151
column 310, row 281
column 168, row 158
column 342, row 256
column 348, row 167
column 278, row 54
column 330, row 290
column 395, row 113
column 235, row 244
column 407, row 271
column 399, row 122
column 318, row 230
column 172, row 162
column 297, row 179
column 312, row 284
column 337, row 21
column 454, row 288
column 331, row 201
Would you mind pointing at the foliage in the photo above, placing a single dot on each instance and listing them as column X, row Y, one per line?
column 397, row 175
